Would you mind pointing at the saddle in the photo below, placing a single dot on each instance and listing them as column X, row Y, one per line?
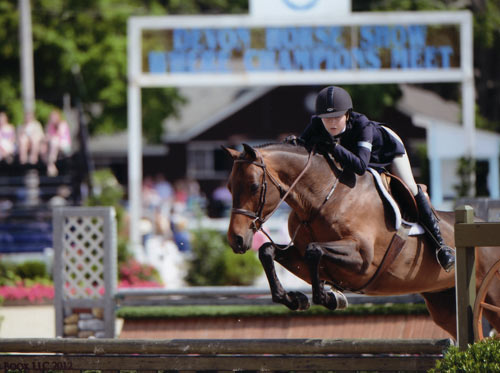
column 395, row 192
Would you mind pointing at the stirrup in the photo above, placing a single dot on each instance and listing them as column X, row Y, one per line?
column 448, row 255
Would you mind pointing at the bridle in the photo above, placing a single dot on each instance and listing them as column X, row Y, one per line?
column 257, row 215
column 258, row 220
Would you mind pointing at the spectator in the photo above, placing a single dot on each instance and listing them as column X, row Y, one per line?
column 61, row 198
column 163, row 188
column 165, row 193
column 7, row 139
column 150, row 197
column 30, row 139
column 221, row 201
column 58, row 141
column 180, row 233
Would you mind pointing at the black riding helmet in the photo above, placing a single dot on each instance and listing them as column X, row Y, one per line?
column 333, row 102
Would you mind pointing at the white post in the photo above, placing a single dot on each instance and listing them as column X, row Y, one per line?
column 468, row 99
column 26, row 40
column 436, row 184
column 493, row 178
column 134, row 135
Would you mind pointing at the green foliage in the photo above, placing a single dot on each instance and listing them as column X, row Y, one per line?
column 214, row 263
column 240, row 269
column 80, row 48
column 465, row 168
column 123, row 252
column 108, row 192
column 372, row 99
column 28, row 272
column 421, row 150
column 32, row 269
column 165, row 312
column 479, row 357
column 8, row 274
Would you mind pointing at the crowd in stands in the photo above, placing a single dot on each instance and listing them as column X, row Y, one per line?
column 32, row 143
column 167, row 208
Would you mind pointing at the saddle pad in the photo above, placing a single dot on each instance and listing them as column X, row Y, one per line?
column 416, row 229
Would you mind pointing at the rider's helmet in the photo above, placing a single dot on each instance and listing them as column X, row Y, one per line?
column 333, row 102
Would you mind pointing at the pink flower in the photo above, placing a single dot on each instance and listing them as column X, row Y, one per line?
column 34, row 294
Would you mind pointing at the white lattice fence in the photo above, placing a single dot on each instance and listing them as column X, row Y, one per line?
column 85, row 271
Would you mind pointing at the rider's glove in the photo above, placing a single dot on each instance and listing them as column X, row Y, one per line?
column 293, row 140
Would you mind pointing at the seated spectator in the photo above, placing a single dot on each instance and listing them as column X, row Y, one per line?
column 7, row 139
column 30, row 139
column 221, row 201
column 57, row 141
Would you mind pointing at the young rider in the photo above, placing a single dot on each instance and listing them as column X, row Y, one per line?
column 356, row 142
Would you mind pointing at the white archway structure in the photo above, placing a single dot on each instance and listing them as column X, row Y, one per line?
column 246, row 50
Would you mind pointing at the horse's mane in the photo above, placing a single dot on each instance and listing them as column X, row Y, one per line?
column 348, row 178
column 283, row 147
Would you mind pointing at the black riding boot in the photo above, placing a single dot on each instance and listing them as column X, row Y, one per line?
column 444, row 254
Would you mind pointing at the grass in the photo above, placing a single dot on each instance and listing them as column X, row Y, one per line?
column 168, row 312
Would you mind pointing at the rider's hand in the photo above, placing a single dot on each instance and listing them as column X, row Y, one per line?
column 293, row 140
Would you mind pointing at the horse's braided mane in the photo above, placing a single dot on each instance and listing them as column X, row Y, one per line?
column 283, row 146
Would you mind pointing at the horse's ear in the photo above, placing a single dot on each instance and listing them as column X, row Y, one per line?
column 231, row 152
column 249, row 151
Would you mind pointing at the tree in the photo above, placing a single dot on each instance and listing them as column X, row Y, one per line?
column 80, row 50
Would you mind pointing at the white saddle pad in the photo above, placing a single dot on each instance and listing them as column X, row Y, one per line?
column 415, row 228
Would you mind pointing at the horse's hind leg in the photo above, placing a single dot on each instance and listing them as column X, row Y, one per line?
column 268, row 254
column 442, row 308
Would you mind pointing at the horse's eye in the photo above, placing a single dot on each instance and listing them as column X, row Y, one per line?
column 254, row 188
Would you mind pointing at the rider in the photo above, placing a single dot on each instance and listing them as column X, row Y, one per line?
column 356, row 142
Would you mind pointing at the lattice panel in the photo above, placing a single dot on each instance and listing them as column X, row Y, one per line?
column 83, row 257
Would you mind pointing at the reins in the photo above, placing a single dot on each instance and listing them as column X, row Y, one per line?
column 257, row 216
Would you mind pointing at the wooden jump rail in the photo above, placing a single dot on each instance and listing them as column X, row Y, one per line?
column 111, row 355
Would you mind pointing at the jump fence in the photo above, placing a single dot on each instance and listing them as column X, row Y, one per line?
column 111, row 355
column 468, row 235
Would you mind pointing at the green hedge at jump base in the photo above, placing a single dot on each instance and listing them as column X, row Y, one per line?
column 164, row 312
column 483, row 356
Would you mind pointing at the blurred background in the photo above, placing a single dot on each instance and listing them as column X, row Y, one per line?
column 67, row 145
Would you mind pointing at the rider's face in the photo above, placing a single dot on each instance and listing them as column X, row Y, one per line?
column 335, row 126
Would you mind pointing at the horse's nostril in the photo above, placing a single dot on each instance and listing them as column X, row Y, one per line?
column 239, row 241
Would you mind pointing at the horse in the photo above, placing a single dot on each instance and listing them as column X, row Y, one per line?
column 341, row 230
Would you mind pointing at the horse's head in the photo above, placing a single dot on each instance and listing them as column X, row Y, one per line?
column 253, row 196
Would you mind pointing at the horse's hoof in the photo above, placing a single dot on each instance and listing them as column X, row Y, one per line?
column 299, row 301
column 336, row 300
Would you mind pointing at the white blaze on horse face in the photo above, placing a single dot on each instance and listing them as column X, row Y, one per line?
column 335, row 126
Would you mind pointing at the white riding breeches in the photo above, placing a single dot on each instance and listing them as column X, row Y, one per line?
column 401, row 167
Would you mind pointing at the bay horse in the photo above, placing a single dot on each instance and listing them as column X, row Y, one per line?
column 341, row 230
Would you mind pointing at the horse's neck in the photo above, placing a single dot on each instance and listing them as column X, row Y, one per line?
column 320, row 179
column 312, row 187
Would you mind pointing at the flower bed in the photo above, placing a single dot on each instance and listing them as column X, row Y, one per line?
column 18, row 290
column 21, row 294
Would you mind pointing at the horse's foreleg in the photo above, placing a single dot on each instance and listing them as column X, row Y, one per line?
column 294, row 300
column 343, row 252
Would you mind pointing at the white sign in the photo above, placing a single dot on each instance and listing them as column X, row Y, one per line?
column 299, row 8
column 361, row 48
